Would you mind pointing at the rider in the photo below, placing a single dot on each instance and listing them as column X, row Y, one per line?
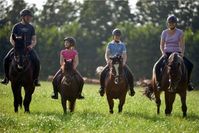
column 67, row 54
column 116, row 47
column 23, row 28
column 172, row 40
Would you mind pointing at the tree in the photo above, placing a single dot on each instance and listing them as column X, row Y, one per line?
column 156, row 12
column 13, row 15
column 57, row 13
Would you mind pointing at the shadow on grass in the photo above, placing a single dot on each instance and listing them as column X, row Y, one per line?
column 146, row 116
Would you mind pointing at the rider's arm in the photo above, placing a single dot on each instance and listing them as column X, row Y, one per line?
column 162, row 42
column 162, row 46
column 34, row 41
column 182, row 44
column 107, row 55
column 61, row 60
column 124, row 56
column 76, row 62
column 12, row 41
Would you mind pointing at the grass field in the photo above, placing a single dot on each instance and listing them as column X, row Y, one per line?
column 92, row 114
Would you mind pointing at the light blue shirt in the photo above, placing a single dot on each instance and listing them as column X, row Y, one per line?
column 116, row 48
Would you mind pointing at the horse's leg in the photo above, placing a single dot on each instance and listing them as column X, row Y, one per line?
column 121, row 103
column 19, row 97
column 72, row 105
column 111, row 104
column 15, row 89
column 158, row 101
column 63, row 101
column 28, row 97
column 169, row 99
column 183, row 101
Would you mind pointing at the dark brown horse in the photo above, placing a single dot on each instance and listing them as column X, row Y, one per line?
column 69, row 88
column 21, row 75
column 116, row 83
column 174, row 80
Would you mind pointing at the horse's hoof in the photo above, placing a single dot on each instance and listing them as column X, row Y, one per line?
column 111, row 112
column 28, row 112
column 184, row 115
column 168, row 114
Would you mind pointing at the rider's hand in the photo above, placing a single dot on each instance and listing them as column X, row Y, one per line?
column 30, row 47
column 108, row 61
column 181, row 54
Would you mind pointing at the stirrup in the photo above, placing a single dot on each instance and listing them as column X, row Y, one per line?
column 36, row 82
column 101, row 91
column 131, row 92
column 190, row 87
column 5, row 81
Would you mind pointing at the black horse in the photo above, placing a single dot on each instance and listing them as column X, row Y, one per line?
column 69, row 88
column 21, row 74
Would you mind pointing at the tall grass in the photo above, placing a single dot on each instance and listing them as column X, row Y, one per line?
column 92, row 114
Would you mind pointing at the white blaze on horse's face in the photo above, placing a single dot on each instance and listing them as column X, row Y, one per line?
column 116, row 69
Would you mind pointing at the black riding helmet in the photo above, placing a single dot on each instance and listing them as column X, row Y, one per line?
column 26, row 12
column 172, row 19
column 117, row 32
column 71, row 40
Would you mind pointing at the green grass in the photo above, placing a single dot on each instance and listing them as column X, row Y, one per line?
column 92, row 114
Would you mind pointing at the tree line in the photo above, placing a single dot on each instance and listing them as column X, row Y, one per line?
column 91, row 23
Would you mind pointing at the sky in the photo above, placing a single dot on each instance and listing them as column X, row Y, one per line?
column 40, row 3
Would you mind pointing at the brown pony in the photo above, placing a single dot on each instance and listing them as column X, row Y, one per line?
column 69, row 87
column 116, row 83
column 21, row 75
column 174, row 80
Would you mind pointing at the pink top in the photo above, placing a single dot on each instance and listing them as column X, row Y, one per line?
column 172, row 41
column 68, row 54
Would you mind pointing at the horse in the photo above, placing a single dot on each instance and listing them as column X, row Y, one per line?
column 116, row 85
column 21, row 74
column 69, row 87
column 174, row 81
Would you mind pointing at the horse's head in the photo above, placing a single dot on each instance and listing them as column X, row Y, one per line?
column 116, row 67
column 68, row 66
column 174, row 65
column 21, row 56
column 68, row 71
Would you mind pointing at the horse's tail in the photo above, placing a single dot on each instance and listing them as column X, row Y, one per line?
column 148, row 91
column 99, row 69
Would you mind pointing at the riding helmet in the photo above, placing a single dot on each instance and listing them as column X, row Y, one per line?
column 117, row 32
column 71, row 40
column 25, row 12
column 172, row 19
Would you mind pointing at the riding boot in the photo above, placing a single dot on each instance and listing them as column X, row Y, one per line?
column 130, row 80
column 56, row 81
column 189, row 67
column 7, row 61
column 102, row 80
column 36, row 64
column 81, row 84
column 159, row 65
